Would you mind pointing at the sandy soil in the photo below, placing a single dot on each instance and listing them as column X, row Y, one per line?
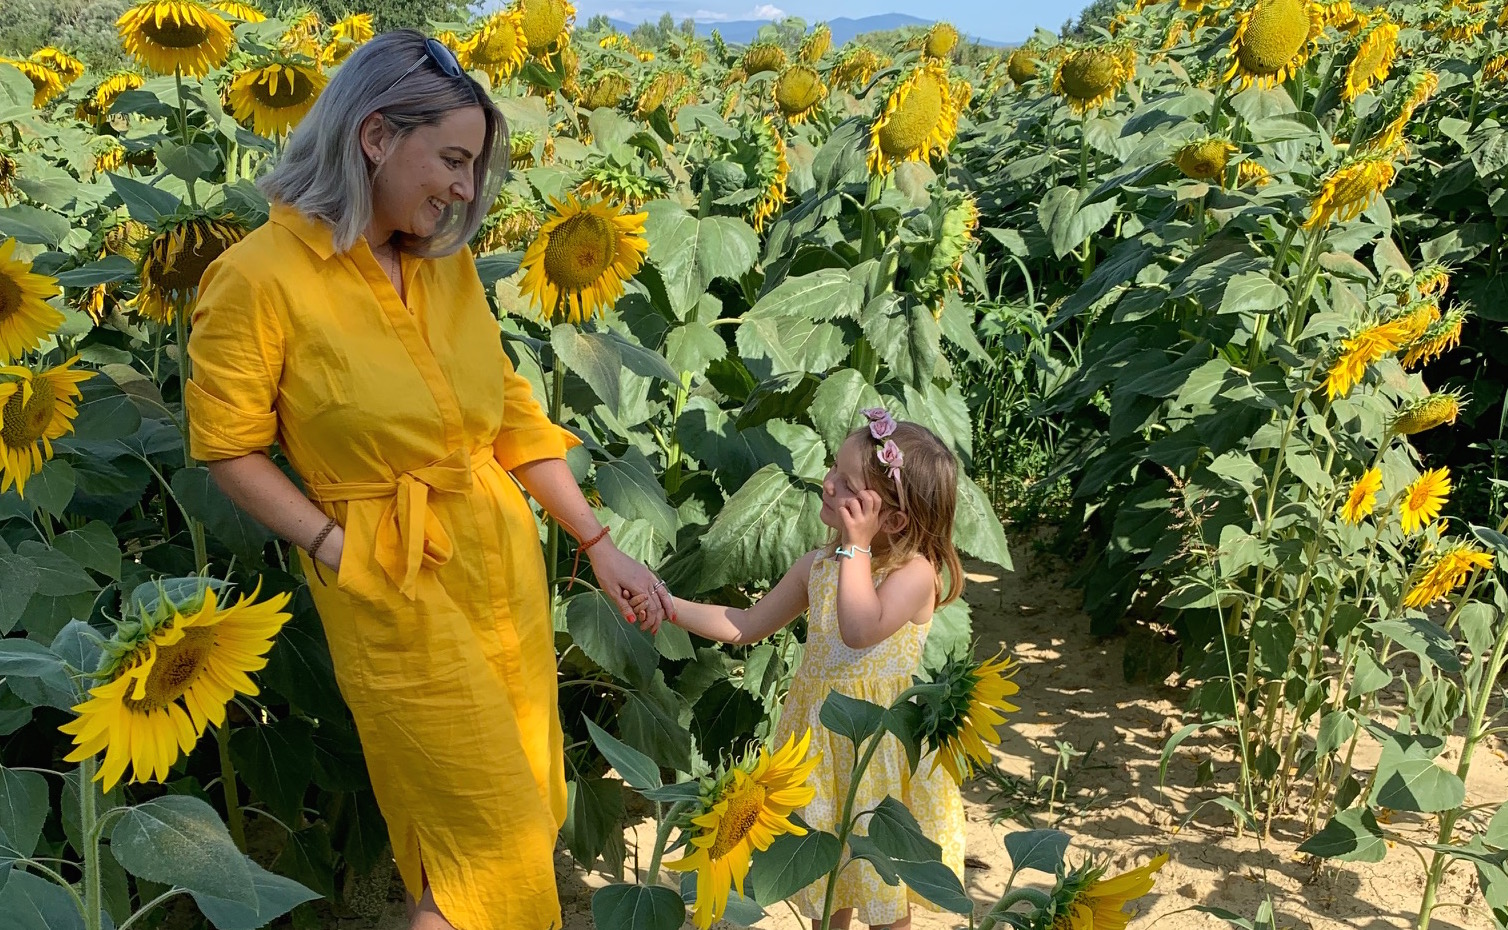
column 1074, row 692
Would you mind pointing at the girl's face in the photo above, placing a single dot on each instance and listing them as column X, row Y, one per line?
column 427, row 171
column 845, row 479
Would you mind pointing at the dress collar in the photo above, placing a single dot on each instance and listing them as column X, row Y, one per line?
column 314, row 232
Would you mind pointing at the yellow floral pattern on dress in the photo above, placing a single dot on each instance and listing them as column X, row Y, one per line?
column 878, row 674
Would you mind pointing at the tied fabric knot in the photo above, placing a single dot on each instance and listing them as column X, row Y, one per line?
column 409, row 534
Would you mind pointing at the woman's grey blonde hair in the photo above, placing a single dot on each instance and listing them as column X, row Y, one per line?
column 325, row 173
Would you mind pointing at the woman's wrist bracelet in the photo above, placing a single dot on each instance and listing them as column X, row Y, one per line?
column 313, row 549
column 576, row 562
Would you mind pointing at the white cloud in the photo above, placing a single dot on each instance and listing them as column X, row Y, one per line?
column 710, row 16
column 767, row 11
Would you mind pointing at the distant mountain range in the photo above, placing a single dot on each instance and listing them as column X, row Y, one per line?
column 844, row 28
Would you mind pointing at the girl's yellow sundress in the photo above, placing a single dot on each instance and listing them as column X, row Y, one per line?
column 878, row 674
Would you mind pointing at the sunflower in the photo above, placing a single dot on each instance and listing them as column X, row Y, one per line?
column 771, row 172
column 172, row 35
column 1176, row 30
column 510, row 223
column 1431, row 281
column 959, row 720
column 546, row 25
column 952, row 220
column 1427, row 412
column 919, row 120
column 1373, row 58
column 1274, row 38
column 521, row 148
column 1089, row 78
column 815, row 45
column 175, row 259
column 668, row 87
column 576, row 267
column 302, row 35
column 9, row 171
column 1205, row 159
column 1022, row 66
column 1413, row 93
column 499, row 47
column 1422, row 501
column 45, row 82
column 1251, row 172
column 274, row 94
column 1439, row 338
column 109, row 155
column 125, row 237
column 763, row 56
column 940, row 41
column 856, row 65
column 742, row 812
column 1362, row 496
column 1086, row 900
column 103, row 98
column 239, row 9
column 632, row 187
column 168, row 678
column 1416, row 318
column 1447, row 572
column 59, row 62
column 798, row 91
column 36, row 407
column 348, row 33
column 1495, row 69
column 25, row 317
column 1361, row 351
column 1468, row 31
column 1351, row 188
column 607, row 89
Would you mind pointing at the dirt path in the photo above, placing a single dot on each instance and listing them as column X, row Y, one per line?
column 1073, row 691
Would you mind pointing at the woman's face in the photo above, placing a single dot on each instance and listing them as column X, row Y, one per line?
column 427, row 171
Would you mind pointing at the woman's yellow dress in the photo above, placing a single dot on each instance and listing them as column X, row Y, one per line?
column 878, row 674
column 403, row 422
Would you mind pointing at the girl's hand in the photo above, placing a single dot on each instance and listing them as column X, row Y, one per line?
column 624, row 579
column 637, row 604
column 860, row 516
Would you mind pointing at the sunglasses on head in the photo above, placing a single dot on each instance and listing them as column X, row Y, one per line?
column 438, row 54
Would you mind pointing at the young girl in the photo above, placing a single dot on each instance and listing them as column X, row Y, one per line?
column 870, row 592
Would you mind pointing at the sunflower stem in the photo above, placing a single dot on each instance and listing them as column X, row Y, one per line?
column 185, row 371
column 233, row 816
column 869, row 246
column 183, row 129
column 1041, row 900
column 88, row 820
column 662, row 837
column 846, row 821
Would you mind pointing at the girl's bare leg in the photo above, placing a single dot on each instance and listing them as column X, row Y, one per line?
column 425, row 915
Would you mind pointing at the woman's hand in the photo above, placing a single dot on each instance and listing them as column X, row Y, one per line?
column 641, row 597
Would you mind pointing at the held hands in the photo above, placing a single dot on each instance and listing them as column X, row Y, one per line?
column 859, row 517
column 641, row 597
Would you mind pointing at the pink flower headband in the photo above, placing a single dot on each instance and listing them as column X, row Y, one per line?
column 881, row 426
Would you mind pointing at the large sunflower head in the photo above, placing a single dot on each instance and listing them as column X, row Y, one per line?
column 60, row 62
column 167, row 677
column 37, row 406
column 26, row 319
column 1373, row 58
column 750, row 168
column 1427, row 412
column 608, row 88
column 346, row 36
column 919, row 120
column 856, row 65
column 546, row 24
column 273, row 94
column 961, row 714
column 946, row 233
column 631, row 186
column 1351, row 188
column 1440, row 337
column 172, row 263
column 1205, row 159
column 816, row 44
column 940, row 41
column 1444, row 571
column 499, row 47
column 1084, row 899
column 1273, row 39
column 741, row 811
column 763, row 56
column 1089, row 78
column 45, row 82
column 1424, row 498
column 171, row 35
column 577, row 265
column 798, row 91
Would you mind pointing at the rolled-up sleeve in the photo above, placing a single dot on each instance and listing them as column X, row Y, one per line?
column 236, row 347
column 527, row 435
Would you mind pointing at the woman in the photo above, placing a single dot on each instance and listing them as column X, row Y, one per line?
column 352, row 328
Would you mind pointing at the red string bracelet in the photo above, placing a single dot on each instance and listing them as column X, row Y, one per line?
column 576, row 562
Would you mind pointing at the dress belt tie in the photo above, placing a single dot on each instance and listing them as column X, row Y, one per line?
column 409, row 533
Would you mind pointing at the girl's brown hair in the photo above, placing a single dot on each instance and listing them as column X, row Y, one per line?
column 928, row 495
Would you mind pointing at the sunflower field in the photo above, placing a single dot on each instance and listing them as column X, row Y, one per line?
column 1231, row 267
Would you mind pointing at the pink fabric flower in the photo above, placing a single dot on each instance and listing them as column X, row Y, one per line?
column 881, row 424
column 890, row 456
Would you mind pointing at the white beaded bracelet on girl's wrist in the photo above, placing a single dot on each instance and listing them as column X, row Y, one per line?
column 850, row 551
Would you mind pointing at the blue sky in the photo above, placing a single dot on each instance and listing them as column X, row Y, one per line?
column 1000, row 20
